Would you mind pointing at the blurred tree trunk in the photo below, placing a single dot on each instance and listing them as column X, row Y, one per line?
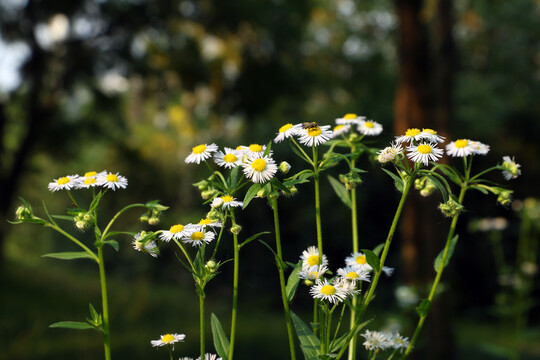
column 424, row 100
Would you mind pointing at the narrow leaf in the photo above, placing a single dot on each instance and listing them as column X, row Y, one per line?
column 63, row 217
column 397, row 180
column 292, row 283
column 423, row 308
column 372, row 259
column 340, row 190
column 309, row 343
column 254, row 237
column 277, row 184
column 378, row 249
column 450, row 173
column 438, row 260
column 440, row 186
column 250, row 194
column 69, row 255
column 78, row 325
column 112, row 243
column 221, row 342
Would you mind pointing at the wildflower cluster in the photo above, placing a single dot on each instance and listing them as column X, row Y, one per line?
column 381, row 340
column 90, row 179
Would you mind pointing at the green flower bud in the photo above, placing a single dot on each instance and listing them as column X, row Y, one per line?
column 211, row 266
column 425, row 185
column 350, row 180
column 23, row 213
column 262, row 193
column 82, row 225
column 154, row 220
column 505, row 197
column 308, row 282
column 284, row 167
column 235, row 229
column 207, row 194
column 273, row 195
column 144, row 218
column 451, row 208
column 293, row 190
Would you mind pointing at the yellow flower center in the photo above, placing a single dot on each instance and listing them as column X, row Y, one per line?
column 461, row 143
column 369, row 124
column 176, row 228
column 62, row 180
column 361, row 260
column 90, row 181
column 258, row 165
column 206, row 221
column 429, row 131
column 350, row 117
column 352, row 275
column 255, row 148
column 112, row 178
column 199, row 149
column 424, row 149
column 328, row 290
column 313, row 260
column 230, row 158
column 168, row 338
column 412, row 132
column 313, row 274
column 338, row 127
column 90, row 173
column 285, row 128
column 197, row 236
column 314, row 131
column 227, row 198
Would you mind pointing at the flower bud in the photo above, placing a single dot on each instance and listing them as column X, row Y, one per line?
column 216, row 203
column 293, row 190
column 284, row 167
column 235, row 229
column 350, row 180
column 273, row 195
column 23, row 213
column 81, row 225
column 505, row 197
column 207, row 194
column 211, row 266
column 308, row 282
column 451, row 208
column 425, row 185
column 262, row 193
column 154, row 220
column 144, row 218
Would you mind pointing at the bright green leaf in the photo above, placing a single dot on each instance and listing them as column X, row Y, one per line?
column 309, row 343
column 397, row 180
column 372, row 259
column 78, row 325
column 69, row 255
column 292, row 283
column 438, row 260
column 250, row 194
column 423, row 308
column 221, row 342
column 340, row 191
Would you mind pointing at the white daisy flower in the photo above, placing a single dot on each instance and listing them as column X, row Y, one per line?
column 350, row 119
column 460, row 148
column 286, row 131
column 479, row 148
column 370, row 128
column 168, row 339
column 142, row 242
column 112, row 181
column 89, row 179
column 389, row 153
column 325, row 291
column 398, row 342
column 358, row 260
column 423, row 153
column 413, row 134
column 353, row 273
column 511, row 168
column 229, row 201
column 376, row 340
column 208, row 356
column 251, row 150
column 185, row 358
column 259, row 168
column 63, row 183
column 211, row 223
column 201, row 153
column 197, row 237
column 346, row 286
column 315, row 135
column 431, row 136
column 310, row 257
column 228, row 159
column 340, row 130
column 312, row 272
column 177, row 232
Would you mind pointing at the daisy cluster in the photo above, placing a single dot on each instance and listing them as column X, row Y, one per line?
column 338, row 288
column 256, row 163
column 89, row 179
column 382, row 340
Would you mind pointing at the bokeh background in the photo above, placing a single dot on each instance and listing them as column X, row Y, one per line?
column 133, row 85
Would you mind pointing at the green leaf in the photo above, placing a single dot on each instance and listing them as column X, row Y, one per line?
column 305, row 174
column 378, row 249
column 278, row 260
column 63, row 217
column 112, row 243
column 233, row 177
column 450, row 173
column 268, row 148
column 250, row 194
column 221, row 342
column 423, row 308
column 155, row 205
column 480, row 188
column 95, row 201
column 254, row 237
column 309, row 343
column 299, row 153
column 69, row 255
column 342, row 341
column 277, row 184
column 77, row 325
column 440, row 186
column 438, row 260
column 372, row 259
column 340, row 190
column 397, row 180
column 292, row 282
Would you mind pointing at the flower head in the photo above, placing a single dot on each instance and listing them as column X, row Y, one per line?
column 370, row 128
column 350, row 119
column 511, row 168
column 310, row 257
column 144, row 243
column 228, row 159
column 413, row 134
column 479, row 148
column 201, row 153
column 207, row 222
column 286, row 131
column 314, row 135
column 197, row 237
column 168, row 339
column 389, row 153
column 358, row 260
column 89, row 179
column 460, row 148
column 208, row 356
column 353, row 274
column 259, row 168
column 327, row 292
column 424, row 152
column 431, row 136
column 112, row 181
column 63, row 183
column 312, row 272
column 229, row 201
column 376, row 340
column 175, row 232
column 340, row 129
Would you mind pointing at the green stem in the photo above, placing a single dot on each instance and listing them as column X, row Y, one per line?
column 201, row 317
column 84, row 247
column 369, row 296
column 290, row 332
column 73, row 199
column 235, row 289
column 317, row 204
column 104, row 304
column 186, row 255
column 354, row 224
column 218, row 239
column 104, row 234
column 315, row 316
column 439, row 274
